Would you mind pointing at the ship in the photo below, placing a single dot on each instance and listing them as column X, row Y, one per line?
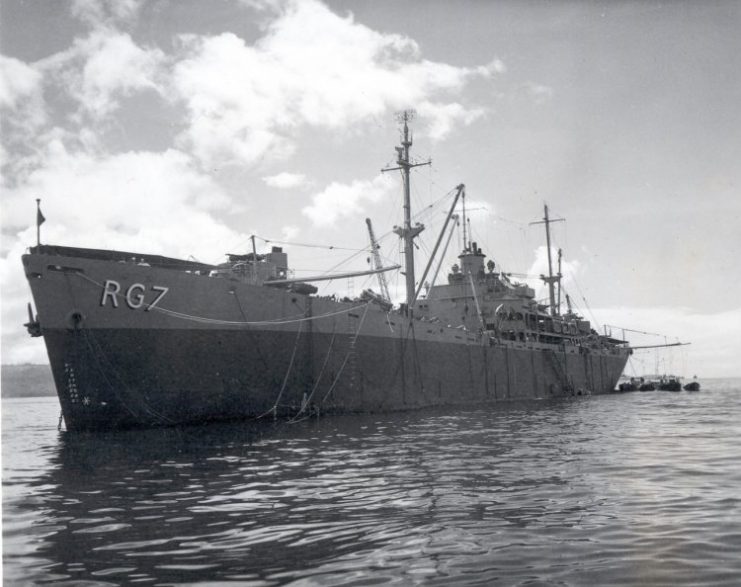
column 140, row 340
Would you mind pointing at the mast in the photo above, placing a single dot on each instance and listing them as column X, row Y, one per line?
column 558, row 303
column 377, row 261
column 551, row 279
column 550, row 262
column 407, row 232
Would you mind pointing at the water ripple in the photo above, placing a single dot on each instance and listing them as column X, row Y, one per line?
column 630, row 489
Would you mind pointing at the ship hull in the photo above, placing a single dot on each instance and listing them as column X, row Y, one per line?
column 124, row 354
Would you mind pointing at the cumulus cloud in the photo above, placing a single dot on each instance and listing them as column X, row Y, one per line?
column 22, row 108
column 86, row 83
column 493, row 67
column 23, row 118
column 285, row 180
column 570, row 268
column 121, row 200
column 264, row 5
column 106, row 12
column 100, row 69
column 442, row 119
column 311, row 68
column 340, row 200
column 18, row 82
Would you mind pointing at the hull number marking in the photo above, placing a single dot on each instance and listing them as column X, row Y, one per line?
column 134, row 296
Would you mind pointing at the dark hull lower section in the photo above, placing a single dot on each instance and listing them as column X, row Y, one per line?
column 124, row 378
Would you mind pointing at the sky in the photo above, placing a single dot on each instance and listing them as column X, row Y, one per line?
column 182, row 128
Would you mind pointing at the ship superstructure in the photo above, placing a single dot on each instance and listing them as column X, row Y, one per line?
column 144, row 340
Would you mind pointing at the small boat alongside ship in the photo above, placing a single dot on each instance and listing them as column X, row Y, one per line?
column 657, row 382
column 693, row 385
column 142, row 340
column 631, row 384
column 669, row 383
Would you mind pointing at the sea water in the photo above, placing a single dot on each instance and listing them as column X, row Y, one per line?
column 624, row 489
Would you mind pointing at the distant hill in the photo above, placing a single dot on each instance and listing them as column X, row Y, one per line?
column 26, row 381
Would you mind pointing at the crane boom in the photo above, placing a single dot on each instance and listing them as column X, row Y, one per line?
column 378, row 265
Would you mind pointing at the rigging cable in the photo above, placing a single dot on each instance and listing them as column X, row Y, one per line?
column 576, row 283
column 347, row 356
column 274, row 409
column 306, row 402
column 307, row 245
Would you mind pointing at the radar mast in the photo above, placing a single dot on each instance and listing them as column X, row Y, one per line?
column 408, row 232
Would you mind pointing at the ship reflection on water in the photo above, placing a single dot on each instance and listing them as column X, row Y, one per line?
column 567, row 490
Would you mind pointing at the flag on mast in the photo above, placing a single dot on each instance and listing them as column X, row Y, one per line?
column 39, row 221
